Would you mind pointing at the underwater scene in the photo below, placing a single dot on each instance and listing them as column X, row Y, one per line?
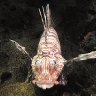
column 47, row 48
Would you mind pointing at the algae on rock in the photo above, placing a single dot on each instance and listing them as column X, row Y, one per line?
column 18, row 89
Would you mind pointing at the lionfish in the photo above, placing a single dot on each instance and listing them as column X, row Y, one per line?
column 48, row 62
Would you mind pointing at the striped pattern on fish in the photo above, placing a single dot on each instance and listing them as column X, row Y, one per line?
column 48, row 62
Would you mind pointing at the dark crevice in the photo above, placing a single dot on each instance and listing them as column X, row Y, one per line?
column 5, row 77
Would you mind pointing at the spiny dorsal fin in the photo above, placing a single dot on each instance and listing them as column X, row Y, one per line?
column 45, row 17
column 48, row 15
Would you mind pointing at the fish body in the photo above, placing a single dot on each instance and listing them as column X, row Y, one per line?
column 48, row 62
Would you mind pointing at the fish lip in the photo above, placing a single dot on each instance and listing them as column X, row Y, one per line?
column 45, row 86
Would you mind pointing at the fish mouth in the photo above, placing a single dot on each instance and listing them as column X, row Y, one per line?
column 45, row 86
column 45, row 82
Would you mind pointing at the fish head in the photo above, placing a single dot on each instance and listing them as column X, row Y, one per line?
column 47, row 70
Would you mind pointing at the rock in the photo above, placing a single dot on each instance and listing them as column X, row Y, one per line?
column 18, row 89
column 13, row 64
column 80, row 77
column 89, row 42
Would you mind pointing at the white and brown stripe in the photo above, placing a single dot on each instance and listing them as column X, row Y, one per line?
column 48, row 62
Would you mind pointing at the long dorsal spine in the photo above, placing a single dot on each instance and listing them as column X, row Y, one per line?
column 46, row 20
column 45, row 17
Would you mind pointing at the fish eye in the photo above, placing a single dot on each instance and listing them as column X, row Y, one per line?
column 38, row 63
column 53, row 62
